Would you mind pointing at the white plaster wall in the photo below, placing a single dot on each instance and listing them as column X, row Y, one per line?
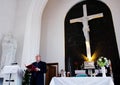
column 23, row 7
column 28, row 27
column 52, row 34
column 7, row 17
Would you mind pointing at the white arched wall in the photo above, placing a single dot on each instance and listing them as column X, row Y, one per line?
column 31, row 29
column 23, row 18
column 52, row 33
column 50, row 36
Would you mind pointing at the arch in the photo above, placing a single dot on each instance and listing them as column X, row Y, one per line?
column 31, row 25
column 52, row 32
column 31, row 43
column 102, row 36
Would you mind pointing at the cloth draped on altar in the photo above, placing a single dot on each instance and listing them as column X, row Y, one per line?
column 81, row 81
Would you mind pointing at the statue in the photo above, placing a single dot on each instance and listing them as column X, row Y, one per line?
column 86, row 29
column 9, row 47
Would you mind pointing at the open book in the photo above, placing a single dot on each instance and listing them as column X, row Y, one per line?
column 31, row 67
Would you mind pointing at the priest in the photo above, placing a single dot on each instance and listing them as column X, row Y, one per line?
column 37, row 77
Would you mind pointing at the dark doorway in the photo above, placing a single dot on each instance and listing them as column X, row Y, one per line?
column 102, row 37
column 52, row 71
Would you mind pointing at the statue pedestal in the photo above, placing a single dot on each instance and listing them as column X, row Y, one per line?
column 89, row 65
column 12, row 75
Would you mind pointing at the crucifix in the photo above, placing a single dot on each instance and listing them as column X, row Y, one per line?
column 84, row 20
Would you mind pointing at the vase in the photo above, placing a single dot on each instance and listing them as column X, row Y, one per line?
column 103, row 71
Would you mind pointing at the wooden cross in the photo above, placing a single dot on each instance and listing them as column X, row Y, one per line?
column 86, row 29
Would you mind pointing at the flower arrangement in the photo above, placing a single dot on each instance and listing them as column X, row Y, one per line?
column 102, row 61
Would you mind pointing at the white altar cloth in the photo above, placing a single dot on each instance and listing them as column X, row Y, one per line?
column 81, row 81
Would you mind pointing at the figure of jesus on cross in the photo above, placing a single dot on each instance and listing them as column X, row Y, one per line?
column 86, row 29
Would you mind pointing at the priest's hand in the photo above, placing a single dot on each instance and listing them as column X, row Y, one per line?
column 29, row 70
column 37, row 69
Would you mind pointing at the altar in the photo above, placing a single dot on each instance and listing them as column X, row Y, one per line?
column 81, row 81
